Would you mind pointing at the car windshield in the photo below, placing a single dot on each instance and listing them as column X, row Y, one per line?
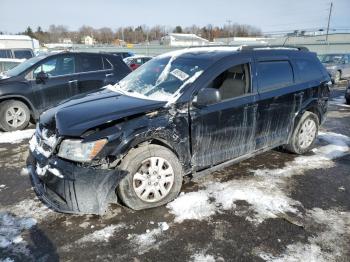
column 162, row 78
column 23, row 66
column 328, row 59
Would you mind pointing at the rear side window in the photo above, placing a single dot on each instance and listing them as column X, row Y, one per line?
column 308, row 70
column 274, row 74
column 23, row 54
column 5, row 53
column 90, row 63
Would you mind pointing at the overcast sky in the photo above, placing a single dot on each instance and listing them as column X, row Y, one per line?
column 268, row 15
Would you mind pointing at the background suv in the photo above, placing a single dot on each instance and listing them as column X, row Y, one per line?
column 44, row 81
column 337, row 65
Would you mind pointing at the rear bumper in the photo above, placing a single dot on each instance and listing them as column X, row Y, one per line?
column 69, row 188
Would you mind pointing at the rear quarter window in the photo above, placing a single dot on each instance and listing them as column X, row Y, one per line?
column 89, row 63
column 308, row 69
column 274, row 74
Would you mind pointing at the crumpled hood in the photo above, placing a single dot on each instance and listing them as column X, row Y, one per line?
column 81, row 113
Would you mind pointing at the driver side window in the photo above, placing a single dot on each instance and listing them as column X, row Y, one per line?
column 233, row 82
column 49, row 67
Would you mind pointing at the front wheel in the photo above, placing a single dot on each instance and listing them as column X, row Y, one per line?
column 154, row 177
column 304, row 134
column 14, row 115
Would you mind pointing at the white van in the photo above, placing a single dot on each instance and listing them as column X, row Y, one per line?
column 17, row 46
column 15, row 49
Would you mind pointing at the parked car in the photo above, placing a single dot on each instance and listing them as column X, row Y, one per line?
column 337, row 65
column 44, row 81
column 9, row 63
column 188, row 111
column 347, row 93
column 135, row 62
column 122, row 54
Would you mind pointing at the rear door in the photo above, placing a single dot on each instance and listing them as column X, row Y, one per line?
column 92, row 75
column 225, row 130
column 278, row 100
column 61, row 83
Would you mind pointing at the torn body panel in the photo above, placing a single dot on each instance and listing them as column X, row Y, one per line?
column 76, row 189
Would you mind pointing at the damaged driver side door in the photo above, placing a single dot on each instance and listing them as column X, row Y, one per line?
column 225, row 129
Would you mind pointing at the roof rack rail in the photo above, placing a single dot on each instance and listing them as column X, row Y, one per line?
column 253, row 47
column 217, row 45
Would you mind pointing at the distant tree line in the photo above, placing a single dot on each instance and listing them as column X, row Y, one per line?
column 139, row 34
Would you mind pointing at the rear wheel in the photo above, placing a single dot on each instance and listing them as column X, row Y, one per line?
column 348, row 101
column 14, row 115
column 154, row 177
column 337, row 77
column 304, row 135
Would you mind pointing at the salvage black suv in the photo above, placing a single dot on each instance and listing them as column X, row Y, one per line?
column 44, row 81
column 183, row 112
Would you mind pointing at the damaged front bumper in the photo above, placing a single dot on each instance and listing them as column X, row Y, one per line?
column 66, row 187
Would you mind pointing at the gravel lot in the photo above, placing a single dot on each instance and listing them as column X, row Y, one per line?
column 273, row 207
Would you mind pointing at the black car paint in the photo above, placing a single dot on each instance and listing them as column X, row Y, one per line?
column 40, row 96
column 202, row 138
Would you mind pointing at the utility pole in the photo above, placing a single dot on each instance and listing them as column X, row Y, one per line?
column 229, row 30
column 329, row 20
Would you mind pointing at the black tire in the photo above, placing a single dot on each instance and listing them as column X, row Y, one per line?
column 131, row 164
column 16, row 105
column 348, row 101
column 294, row 143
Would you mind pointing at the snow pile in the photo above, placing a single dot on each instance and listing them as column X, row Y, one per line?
column 2, row 187
column 148, row 240
column 202, row 257
column 194, row 205
column 16, row 136
column 266, row 200
column 264, row 192
column 328, row 245
column 102, row 235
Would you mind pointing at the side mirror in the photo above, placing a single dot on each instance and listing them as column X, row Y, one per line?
column 41, row 77
column 207, row 96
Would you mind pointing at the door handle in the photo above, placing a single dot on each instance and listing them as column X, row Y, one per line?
column 72, row 81
column 108, row 75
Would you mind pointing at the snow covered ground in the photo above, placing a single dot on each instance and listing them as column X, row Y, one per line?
column 16, row 136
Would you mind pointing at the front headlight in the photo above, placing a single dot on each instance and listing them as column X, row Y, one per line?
column 78, row 151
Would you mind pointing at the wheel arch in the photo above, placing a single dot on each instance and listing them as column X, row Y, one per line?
column 24, row 100
column 136, row 142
